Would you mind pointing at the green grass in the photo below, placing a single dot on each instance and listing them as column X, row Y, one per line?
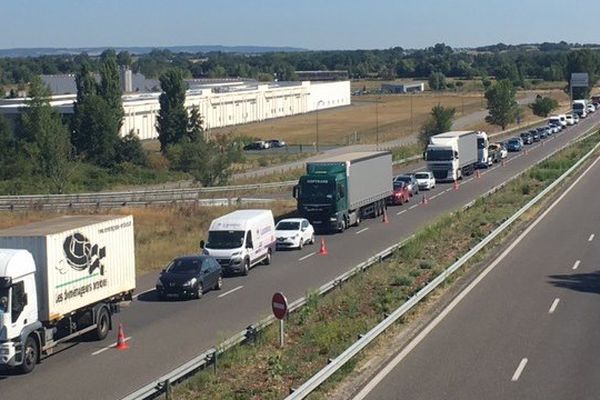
column 326, row 326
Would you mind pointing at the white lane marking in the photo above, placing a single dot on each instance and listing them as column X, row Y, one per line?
column 362, row 230
column 576, row 265
column 553, row 306
column 413, row 206
column 591, row 237
column 519, row 370
column 109, row 347
column 135, row 296
column 448, row 190
column 401, row 212
column 306, row 256
column 468, row 180
column 436, row 195
column 230, row 291
column 435, row 322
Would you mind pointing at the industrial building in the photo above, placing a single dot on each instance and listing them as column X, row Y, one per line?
column 403, row 87
column 221, row 104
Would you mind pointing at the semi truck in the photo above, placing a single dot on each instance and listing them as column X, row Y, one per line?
column 61, row 279
column 452, row 155
column 339, row 191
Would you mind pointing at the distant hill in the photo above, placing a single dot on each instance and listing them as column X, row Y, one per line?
column 42, row 51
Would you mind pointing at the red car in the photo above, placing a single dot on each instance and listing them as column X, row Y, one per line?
column 400, row 195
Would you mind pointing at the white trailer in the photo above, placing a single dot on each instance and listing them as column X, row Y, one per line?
column 60, row 279
column 451, row 155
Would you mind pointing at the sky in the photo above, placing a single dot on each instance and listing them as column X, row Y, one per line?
column 310, row 24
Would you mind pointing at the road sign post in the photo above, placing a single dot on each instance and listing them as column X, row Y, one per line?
column 279, row 305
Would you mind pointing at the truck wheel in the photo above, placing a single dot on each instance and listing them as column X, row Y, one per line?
column 342, row 226
column 267, row 260
column 357, row 223
column 30, row 355
column 102, row 324
column 246, row 267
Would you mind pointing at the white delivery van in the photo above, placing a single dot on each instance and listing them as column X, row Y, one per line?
column 560, row 119
column 241, row 239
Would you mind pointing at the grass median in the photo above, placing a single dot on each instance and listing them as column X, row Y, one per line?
column 327, row 325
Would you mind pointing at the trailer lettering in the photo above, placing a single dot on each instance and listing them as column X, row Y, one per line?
column 80, row 291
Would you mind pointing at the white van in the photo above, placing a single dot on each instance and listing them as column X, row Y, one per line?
column 560, row 119
column 241, row 239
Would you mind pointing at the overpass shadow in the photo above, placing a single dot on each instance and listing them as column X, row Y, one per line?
column 584, row 282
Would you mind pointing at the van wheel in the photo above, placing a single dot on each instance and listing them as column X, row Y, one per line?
column 267, row 260
column 246, row 267
column 219, row 284
column 102, row 324
column 30, row 356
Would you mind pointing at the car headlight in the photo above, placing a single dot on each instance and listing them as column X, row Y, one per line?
column 191, row 282
column 237, row 253
column 333, row 219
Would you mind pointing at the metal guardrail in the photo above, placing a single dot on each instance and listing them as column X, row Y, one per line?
column 316, row 380
column 211, row 355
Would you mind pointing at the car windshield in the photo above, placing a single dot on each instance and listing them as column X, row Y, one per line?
column 398, row 185
column 403, row 179
column 184, row 265
column 3, row 300
column 513, row 141
column 421, row 175
column 225, row 239
column 287, row 226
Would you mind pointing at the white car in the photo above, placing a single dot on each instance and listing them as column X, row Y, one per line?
column 425, row 180
column 294, row 233
column 570, row 119
column 591, row 108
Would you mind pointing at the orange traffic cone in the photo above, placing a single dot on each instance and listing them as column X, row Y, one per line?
column 385, row 217
column 121, row 343
column 456, row 184
column 478, row 174
column 424, row 201
column 323, row 250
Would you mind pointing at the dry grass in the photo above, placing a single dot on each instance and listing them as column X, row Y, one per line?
column 160, row 233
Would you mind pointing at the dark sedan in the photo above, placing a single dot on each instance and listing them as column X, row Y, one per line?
column 189, row 276
column 411, row 182
column 527, row 138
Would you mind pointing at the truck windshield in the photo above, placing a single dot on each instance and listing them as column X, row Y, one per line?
column 578, row 106
column 320, row 191
column 481, row 143
column 439, row 155
column 225, row 239
column 3, row 300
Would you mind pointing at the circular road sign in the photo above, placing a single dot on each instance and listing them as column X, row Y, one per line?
column 279, row 305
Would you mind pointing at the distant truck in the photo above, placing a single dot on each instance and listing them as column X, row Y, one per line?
column 60, row 279
column 580, row 108
column 452, row 155
column 341, row 190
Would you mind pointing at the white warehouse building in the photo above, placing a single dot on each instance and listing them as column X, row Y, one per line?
column 220, row 104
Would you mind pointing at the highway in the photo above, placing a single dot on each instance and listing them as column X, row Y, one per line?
column 164, row 335
column 527, row 330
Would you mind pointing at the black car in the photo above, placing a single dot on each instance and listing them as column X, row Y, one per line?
column 535, row 135
column 189, row 276
column 411, row 181
column 258, row 145
column 543, row 132
column 274, row 143
column 527, row 138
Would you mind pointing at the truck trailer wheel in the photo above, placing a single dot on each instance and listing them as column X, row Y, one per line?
column 102, row 324
column 30, row 355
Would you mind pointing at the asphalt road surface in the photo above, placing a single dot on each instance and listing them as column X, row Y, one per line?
column 164, row 335
column 528, row 329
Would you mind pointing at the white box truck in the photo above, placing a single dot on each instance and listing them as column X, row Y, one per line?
column 580, row 108
column 241, row 239
column 451, row 155
column 60, row 279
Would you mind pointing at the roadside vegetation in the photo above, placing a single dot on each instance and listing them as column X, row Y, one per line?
column 328, row 325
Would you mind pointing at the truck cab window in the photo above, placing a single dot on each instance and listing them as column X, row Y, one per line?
column 3, row 300
column 17, row 300
column 340, row 191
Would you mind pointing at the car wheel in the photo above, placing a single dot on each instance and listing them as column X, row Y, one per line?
column 30, row 356
column 300, row 244
column 246, row 267
column 219, row 284
column 312, row 238
column 199, row 291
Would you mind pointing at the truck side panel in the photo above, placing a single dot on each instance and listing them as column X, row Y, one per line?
column 369, row 180
column 467, row 149
column 80, row 267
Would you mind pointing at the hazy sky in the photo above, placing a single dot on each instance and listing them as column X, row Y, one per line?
column 312, row 24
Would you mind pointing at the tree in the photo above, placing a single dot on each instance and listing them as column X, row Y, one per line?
column 437, row 81
column 110, row 87
column 124, row 58
column 172, row 120
column 45, row 139
column 195, row 128
column 582, row 61
column 543, row 106
column 502, row 106
column 129, row 149
column 440, row 120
